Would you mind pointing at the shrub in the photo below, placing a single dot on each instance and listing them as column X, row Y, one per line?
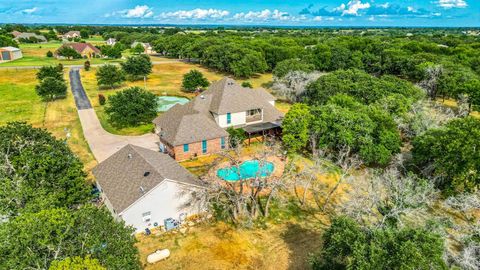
column 49, row 54
column 236, row 136
column 101, row 99
column 247, row 84
column 86, row 65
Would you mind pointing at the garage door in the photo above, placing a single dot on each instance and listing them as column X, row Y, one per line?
column 6, row 56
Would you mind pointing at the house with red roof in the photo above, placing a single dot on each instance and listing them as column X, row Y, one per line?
column 86, row 50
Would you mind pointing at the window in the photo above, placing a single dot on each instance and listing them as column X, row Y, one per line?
column 229, row 118
column 185, row 148
column 204, row 146
column 147, row 216
column 222, row 142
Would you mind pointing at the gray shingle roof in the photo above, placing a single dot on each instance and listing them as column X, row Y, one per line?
column 28, row 35
column 229, row 97
column 194, row 121
column 133, row 171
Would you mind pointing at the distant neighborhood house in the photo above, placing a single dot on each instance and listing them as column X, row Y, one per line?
column 199, row 127
column 145, row 187
column 32, row 37
column 148, row 49
column 10, row 54
column 71, row 34
column 111, row 41
column 86, row 50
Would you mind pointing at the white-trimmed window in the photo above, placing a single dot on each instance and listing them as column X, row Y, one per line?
column 147, row 216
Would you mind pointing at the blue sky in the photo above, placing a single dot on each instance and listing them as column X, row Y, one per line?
column 246, row 12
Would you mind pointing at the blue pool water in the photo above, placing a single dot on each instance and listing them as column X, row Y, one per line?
column 248, row 169
column 167, row 102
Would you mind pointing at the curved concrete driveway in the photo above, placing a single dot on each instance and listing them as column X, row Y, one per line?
column 102, row 144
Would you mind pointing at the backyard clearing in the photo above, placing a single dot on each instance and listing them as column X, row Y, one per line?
column 221, row 246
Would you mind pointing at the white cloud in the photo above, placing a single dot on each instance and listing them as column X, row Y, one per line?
column 452, row 3
column 353, row 7
column 386, row 5
column 136, row 12
column 264, row 15
column 29, row 10
column 198, row 13
column 318, row 18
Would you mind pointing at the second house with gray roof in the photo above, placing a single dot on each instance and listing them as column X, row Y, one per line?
column 145, row 187
column 199, row 127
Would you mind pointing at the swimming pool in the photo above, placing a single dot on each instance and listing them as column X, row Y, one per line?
column 167, row 102
column 246, row 170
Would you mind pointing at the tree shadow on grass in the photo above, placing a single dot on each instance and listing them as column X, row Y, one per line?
column 301, row 242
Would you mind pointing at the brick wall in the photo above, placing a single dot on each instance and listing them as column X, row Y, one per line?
column 213, row 146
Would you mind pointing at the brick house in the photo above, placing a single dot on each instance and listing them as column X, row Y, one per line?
column 86, row 50
column 71, row 34
column 199, row 127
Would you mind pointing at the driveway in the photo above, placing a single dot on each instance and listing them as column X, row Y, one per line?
column 103, row 144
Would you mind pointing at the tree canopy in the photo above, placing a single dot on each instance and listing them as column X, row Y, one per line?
column 450, row 155
column 50, row 71
column 343, row 124
column 194, row 80
column 348, row 246
column 68, row 52
column 39, row 171
column 58, row 234
column 131, row 107
column 358, row 84
column 50, row 89
column 110, row 75
column 289, row 65
column 137, row 66
column 296, row 127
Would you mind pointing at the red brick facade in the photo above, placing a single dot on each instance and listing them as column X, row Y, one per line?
column 195, row 149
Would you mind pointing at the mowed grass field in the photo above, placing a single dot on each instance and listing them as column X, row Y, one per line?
column 36, row 55
column 165, row 79
column 19, row 102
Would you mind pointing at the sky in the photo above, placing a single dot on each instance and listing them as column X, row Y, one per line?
column 402, row 13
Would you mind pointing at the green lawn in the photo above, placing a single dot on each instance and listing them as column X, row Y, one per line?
column 19, row 102
column 36, row 55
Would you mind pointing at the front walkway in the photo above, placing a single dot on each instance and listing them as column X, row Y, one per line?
column 103, row 144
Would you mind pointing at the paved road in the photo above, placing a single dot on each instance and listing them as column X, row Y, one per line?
column 103, row 144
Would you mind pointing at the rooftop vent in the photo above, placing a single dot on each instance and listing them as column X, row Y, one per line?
column 202, row 96
column 142, row 190
column 130, row 156
column 146, row 174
